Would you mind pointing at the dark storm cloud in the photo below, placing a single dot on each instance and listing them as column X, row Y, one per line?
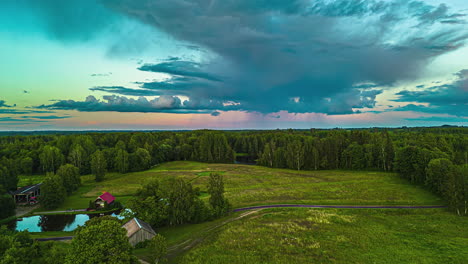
column 3, row 120
column 298, row 55
column 439, row 119
column 458, row 110
column 216, row 113
column 4, row 104
column 162, row 104
column 77, row 21
column 179, row 68
column 126, row 91
column 71, row 20
column 449, row 98
column 51, row 117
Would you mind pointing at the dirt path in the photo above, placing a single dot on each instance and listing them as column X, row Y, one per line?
column 340, row 206
column 178, row 249
column 60, row 212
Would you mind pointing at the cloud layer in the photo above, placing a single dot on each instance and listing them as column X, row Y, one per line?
column 300, row 56
column 450, row 98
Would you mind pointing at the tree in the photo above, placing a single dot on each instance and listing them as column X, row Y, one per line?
column 103, row 241
column 52, row 191
column 219, row 204
column 151, row 204
column 437, row 173
column 181, row 199
column 267, row 156
column 98, row 165
column 158, row 248
column 76, row 156
column 455, row 189
column 7, row 204
column 51, row 158
column 70, row 177
column 8, row 179
column 388, row 153
column 26, row 165
column 141, row 160
column 121, row 161
column 295, row 157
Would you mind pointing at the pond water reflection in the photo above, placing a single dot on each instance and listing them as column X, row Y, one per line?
column 44, row 223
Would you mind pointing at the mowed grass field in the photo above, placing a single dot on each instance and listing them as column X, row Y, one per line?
column 254, row 185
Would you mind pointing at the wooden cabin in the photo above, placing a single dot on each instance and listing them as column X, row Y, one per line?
column 27, row 195
column 138, row 231
column 103, row 199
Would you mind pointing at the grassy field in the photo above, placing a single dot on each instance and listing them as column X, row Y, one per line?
column 254, row 185
column 337, row 236
column 300, row 235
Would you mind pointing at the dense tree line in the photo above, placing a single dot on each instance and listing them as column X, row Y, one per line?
column 408, row 151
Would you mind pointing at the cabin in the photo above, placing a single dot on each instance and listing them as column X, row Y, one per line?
column 104, row 198
column 27, row 195
column 138, row 231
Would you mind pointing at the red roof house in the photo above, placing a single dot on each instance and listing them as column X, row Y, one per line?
column 103, row 199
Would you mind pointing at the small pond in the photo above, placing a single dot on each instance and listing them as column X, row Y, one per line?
column 45, row 223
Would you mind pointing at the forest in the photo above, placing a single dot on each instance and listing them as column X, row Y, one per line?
column 435, row 157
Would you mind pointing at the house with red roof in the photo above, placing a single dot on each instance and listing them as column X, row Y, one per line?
column 104, row 198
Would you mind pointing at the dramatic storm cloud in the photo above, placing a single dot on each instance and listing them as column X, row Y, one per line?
column 282, row 62
column 449, row 98
column 163, row 103
column 298, row 56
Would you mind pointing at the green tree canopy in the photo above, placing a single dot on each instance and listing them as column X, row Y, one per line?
column 102, row 241
column 51, row 158
column 219, row 204
column 70, row 177
column 52, row 191
column 98, row 165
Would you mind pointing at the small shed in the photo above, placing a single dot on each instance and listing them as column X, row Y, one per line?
column 27, row 194
column 138, row 231
column 103, row 199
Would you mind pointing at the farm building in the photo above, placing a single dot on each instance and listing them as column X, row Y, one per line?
column 103, row 199
column 138, row 231
column 27, row 195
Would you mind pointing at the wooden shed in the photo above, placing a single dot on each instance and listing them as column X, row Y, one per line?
column 138, row 231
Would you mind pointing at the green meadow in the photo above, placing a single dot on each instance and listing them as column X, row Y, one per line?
column 299, row 235
column 336, row 236
column 254, row 185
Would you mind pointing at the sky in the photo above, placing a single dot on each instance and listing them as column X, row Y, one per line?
column 232, row 64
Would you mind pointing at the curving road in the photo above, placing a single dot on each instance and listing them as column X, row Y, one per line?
column 341, row 206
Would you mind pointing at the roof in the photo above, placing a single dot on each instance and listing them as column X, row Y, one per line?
column 136, row 225
column 26, row 189
column 107, row 197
